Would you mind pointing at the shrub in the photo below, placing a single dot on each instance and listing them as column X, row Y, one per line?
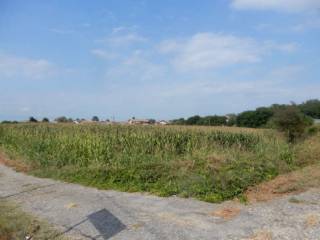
column 45, row 120
column 32, row 119
column 95, row 119
column 291, row 121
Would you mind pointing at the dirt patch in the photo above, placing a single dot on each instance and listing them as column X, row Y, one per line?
column 226, row 213
column 312, row 221
column 15, row 164
column 263, row 235
column 294, row 182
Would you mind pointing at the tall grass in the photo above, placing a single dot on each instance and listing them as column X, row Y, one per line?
column 212, row 164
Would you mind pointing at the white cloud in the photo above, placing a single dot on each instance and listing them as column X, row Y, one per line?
column 278, row 5
column 117, row 38
column 135, row 68
column 61, row 31
column 310, row 24
column 25, row 109
column 210, row 50
column 103, row 54
column 13, row 66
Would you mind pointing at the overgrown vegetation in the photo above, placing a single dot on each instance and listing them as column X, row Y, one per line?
column 258, row 118
column 212, row 164
column 17, row 225
column 291, row 121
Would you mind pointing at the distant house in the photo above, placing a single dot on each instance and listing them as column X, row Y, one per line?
column 140, row 121
column 163, row 122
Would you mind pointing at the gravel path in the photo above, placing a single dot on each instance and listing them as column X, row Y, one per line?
column 86, row 213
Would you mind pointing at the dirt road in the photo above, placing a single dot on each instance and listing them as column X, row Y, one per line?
column 86, row 213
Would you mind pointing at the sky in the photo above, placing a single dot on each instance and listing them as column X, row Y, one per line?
column 155, row 59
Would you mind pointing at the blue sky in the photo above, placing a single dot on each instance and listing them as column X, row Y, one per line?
column 155, row 59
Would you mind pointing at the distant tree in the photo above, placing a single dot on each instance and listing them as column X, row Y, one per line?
column 291, row 121
column 179, row 121
column 193, row 120
column 212, row 120
column 5, row 122
column 62, row 119
column 231, row 119
column 45, row 120
column 32, row 119
column 254, row 119
column 152, row 121
column 95, row 119
column 311, row 108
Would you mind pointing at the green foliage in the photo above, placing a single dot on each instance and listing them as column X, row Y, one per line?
column 254, row 119
column 311, row 108
column 212, row 164
column 231, row 119
column 45, row 120
column 291, row 121
column 63, row 119
column 32, row 119
column 193, row 120
column 179, row 121
column 95, row 119
column 9, row 122
column 202, row 121
column 16, row 225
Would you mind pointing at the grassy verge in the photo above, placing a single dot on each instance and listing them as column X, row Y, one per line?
column 17, row 225
column 306, row 174
column 211, row 164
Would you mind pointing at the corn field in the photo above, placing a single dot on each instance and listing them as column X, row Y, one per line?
column 209, row 163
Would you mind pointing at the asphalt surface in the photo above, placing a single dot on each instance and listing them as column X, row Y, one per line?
column 87, row 213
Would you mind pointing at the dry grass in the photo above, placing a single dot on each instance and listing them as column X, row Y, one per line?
column 17, row 225
column 312, row 220
column 307, row 156
column 294, row 182
column 16, row 164
column 262, row 235
column 226, row 213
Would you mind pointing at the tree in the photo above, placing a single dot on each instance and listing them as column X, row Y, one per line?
column 193, row 120
column 32, row 119
column 179, row 121
column 291, row 121
column 231, row 119
column 7, row 122
column 311, row 108
column 95, row 119
column 212, row 121
column 62, row 119
column 45, row 120
column 254, row 119
column 152, row 121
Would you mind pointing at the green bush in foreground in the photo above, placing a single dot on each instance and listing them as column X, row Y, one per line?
column 211, row 164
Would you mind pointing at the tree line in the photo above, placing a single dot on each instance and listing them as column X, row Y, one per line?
column 291, row 119
column 258, row 118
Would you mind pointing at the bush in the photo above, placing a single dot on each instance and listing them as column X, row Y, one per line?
column 63, row 119
column 95, row 119
column 45, row 120
column 311, row 108
column 32, row 119
column 291, row 121
column 254, row 119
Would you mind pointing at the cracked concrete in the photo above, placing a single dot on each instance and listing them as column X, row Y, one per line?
column 87, row 213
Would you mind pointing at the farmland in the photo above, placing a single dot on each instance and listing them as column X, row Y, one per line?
column 209, row 163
